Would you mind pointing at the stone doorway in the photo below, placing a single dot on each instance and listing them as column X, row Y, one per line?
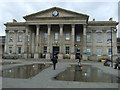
column 55, row 50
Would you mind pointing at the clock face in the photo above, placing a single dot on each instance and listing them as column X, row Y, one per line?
column 55, row 13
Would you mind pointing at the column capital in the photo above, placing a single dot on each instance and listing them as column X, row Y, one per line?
column 84, row 25
column 37, row 26
column 61, row 25
column 48, row 25
column 27, row 26
column 73, row 25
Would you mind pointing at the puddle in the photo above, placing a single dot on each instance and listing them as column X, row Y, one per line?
column 6, row 63
column 26, row 71
column 86, row 73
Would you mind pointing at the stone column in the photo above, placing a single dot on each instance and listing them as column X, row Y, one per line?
column 15, row 42
column 36, row 55
column 6, row 41
column 84, row 43
column 48, row 43
column 105, row 37
column 60, row 55
column 33, row 40
column 93, row 41
column 73, row 42
column 23, row 41
column 114, row 45
column 26, row 43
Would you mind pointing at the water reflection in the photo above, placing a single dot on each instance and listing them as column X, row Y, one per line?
column 25, row 71
column 6, row 63
column 86, row 73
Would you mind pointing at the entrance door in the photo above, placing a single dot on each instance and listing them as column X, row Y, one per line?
column 77, row 52
column 55, row 50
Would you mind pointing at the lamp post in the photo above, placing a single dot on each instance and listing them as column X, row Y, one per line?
column 112, row 29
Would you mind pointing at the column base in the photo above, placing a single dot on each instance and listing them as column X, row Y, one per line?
column 36, row 55
column 72, row 56
column 25, row 55
column 48, row 56
column 84, row 57
column 60, row 56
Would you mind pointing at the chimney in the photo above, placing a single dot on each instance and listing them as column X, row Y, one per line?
column 93, row 19
column 14, row 20
column 111, row 19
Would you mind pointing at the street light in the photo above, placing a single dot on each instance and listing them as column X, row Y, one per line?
column 112, row 29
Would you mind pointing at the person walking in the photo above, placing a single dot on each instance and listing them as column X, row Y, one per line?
column 54, row 60
column 79, row 58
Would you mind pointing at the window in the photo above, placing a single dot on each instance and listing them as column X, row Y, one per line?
column 88, row 51
column 45, row 36
column 109, row 51
column 45, row 49
column 19, row 50
column 98, row 37
column 56, row 35
column 67, row 36
column 11, row 37
column 67, row 50
column 78, row 37
column 109, row 38
column 10, row 50
column 19, row 36
column 98, row 51
column 88, row 38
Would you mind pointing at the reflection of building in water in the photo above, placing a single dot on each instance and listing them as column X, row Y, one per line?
column 60, row 31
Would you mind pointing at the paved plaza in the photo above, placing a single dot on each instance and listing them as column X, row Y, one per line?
column 45, row 78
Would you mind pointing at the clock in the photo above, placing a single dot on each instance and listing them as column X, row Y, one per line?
column 55, row 13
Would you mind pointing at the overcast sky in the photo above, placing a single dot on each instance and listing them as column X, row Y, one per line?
column 101, row 11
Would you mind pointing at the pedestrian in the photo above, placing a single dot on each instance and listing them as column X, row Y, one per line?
column 79, row 58
column 54, row 60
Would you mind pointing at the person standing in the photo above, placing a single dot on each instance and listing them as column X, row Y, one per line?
column 54, row 60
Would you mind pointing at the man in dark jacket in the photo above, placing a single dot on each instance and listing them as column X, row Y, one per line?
column 79, row 58
column 54, row 60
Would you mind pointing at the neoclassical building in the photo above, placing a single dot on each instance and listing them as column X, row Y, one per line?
column 60, row 31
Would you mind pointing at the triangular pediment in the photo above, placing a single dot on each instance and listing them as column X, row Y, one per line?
column 61, row 13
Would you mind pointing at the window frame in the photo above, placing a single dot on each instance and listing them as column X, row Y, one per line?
column 88, row 53
column 20, row 34
column 19, row 48
column 45, row 49
column 78, row 39
column 56, row 36
column 10, row 50
column 109, row 51
column 67, row 50
column 98, row 37
column 67, row 36
column 11, row 36
column 45, row 36
column 99, row 52
column 88, row 39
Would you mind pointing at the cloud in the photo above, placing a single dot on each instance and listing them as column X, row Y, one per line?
column 16, row 10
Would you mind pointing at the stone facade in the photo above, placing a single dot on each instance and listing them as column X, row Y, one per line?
column 2, row 44
column 60, row 31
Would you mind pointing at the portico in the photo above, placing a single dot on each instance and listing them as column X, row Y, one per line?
column 36, row 46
